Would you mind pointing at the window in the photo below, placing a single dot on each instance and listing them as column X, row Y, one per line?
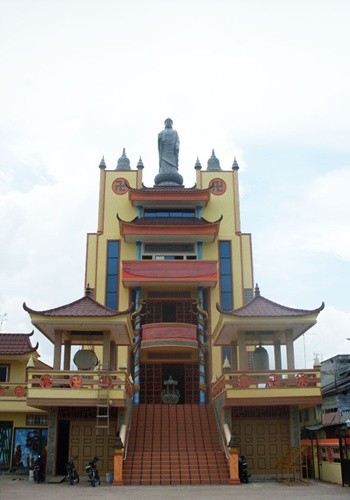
column 248, row 295
column 154, row 212
column 226, row 287
column 112, row 274
column 169, row 251
column 4, row 373
column 169, row 312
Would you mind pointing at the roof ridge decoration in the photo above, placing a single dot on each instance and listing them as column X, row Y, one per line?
column 123, row 162
column 213, row 162
column 235, row 165
column 140, row 164
column 102, row 164
column 171, row 189
column 198, row 165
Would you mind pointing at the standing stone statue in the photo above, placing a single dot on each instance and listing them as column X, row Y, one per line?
column 168, row 147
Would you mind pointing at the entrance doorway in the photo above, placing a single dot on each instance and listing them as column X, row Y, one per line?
column 152, row 376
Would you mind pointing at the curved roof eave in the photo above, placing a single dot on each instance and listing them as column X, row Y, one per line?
column 260, row 307
column 83, row 307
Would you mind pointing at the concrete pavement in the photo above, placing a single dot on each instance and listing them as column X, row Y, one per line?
column 19, row 487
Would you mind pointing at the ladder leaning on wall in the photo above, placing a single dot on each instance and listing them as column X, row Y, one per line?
column 102, row 408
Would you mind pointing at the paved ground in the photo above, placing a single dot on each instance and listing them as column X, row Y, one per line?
column 16, row 487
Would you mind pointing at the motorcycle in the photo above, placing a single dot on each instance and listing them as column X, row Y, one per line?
column 72, row 474
column 243, row 469
column 39, row 470
column 92, row 472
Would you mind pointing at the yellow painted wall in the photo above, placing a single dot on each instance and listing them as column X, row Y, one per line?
column 226, row 205
column 17, row 371
column 242, row 265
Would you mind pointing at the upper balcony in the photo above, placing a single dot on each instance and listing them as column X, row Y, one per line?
column 76, row 388
column 169, row 272
column 279, row 387
column 13, row 397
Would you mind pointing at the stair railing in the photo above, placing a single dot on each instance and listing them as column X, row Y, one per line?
column 226, row 438
column 126, row 444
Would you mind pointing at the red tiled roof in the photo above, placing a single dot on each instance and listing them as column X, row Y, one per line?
column 86, row 306
column 16, row 343
column 170, row 189
column 260, row 307
column 170, row 221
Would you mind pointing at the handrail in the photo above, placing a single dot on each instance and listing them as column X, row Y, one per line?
column 127, row 439
column 227, row 454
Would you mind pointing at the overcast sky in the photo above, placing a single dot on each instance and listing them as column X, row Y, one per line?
column 265, row 81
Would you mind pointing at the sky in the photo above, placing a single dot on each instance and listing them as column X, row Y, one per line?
column 265, row 81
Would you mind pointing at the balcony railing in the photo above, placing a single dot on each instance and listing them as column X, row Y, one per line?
column 77, row 387
column 267, row 383
column 13, row 391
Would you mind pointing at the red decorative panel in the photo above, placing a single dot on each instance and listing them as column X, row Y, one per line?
column 191, row 384
column 151, row 383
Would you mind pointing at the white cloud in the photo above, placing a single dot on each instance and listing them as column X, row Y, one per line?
column 85, row 79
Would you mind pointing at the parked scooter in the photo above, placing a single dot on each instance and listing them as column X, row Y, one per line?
column 92, row 472
column 72, row 474
column 39, row 470
column 243, row 469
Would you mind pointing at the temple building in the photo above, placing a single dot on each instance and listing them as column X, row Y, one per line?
column 181, row 363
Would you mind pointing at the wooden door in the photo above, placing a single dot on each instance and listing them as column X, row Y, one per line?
column 262, row 442
column 85, row 444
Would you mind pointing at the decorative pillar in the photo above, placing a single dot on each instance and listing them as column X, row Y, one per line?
column 202, row 386
column 67, row 351
column 234, row 359
column 137, row 346
column 242, row 351
column 118, row 462
column 113, row 356
column 106, row 356
column 234, row 467
column 277, row 352
column 290, row 350
column 57, row 351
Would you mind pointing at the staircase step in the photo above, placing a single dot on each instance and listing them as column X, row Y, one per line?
column 173, row 445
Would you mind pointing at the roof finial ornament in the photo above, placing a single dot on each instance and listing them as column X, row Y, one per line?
column 198, row 165
column 140, row 164
column 123, row 162
column 102, row 164
column 257, row 291
column 88, row 291
column 235, row 165
column 213, row 162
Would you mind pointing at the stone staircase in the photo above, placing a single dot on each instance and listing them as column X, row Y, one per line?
column 174, row 444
